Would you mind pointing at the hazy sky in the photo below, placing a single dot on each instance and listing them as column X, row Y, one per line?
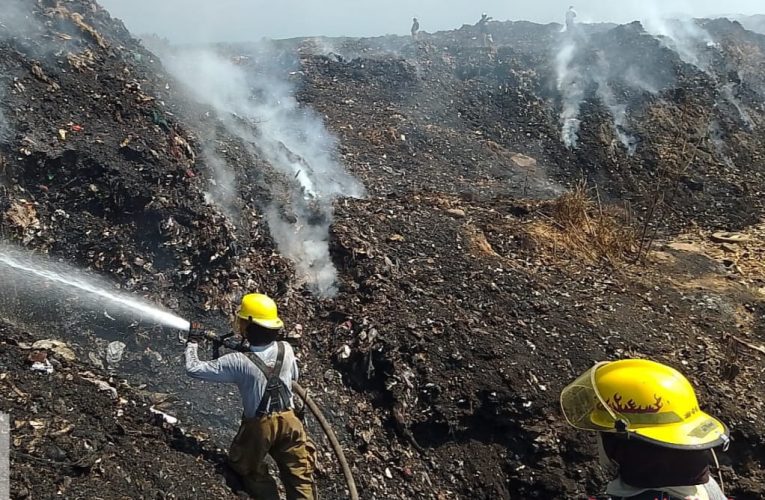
column 237, row 20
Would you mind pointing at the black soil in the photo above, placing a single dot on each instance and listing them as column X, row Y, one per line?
column 460, row 314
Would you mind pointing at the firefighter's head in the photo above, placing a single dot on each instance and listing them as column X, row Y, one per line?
column 258, row 319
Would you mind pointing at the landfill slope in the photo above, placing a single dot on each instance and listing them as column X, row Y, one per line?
column 470, row 287
column 80, row 432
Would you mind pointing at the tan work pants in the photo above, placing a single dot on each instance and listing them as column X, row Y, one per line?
column 283, row 437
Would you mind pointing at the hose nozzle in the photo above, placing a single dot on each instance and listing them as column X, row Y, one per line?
column 198, row 331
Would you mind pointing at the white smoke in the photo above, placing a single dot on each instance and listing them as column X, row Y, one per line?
column 715, row 135
column 575, row 74
column 727, row 91
column 222, row 189
column 323, row 46
column 571, row 85
column 261, row 110
column 16, row 19
column 305, row 244
column 639, row 81
column 3, row 122
column 214, row 81
column 692, row 44
column 683, row 36
column 12, row 22
column 618, row 111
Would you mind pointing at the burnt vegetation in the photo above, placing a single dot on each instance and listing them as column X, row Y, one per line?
column 486, row 266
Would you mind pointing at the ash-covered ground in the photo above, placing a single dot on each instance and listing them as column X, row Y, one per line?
column 405, row 202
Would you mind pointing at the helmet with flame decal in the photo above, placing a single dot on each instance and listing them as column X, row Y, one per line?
column 260, row 309
column 644, row 399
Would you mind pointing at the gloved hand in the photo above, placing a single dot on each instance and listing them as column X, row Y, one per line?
column 197, row 333
column 194, row 339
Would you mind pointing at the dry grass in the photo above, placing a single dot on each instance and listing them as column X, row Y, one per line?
column 479, row 244
column 82, row 61
column 577, row 225
column 58, row 10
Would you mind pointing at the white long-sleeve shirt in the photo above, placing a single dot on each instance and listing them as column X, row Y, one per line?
column 237, row 368
column 709, row 491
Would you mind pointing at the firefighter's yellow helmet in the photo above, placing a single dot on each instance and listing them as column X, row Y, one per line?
column 260, row 309
column 645, row 400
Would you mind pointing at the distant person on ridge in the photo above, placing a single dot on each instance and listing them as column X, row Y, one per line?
column 415, row 27
column 264, row 376
column 483, row 28
column 650, row 428
column 570, row 19
column 484, row 19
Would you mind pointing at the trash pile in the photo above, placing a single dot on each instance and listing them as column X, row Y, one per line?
column 468, row 289
column 75, row 431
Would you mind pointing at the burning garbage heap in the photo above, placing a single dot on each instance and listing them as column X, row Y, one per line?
column 92, row 141
column 108, row 162
column 373, row 187
column 662, row 106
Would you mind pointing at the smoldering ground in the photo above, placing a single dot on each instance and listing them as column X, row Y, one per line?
column 256, row 104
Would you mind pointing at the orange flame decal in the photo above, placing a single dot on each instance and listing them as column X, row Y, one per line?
column 632, row 407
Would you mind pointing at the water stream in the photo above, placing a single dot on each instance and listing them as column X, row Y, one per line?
column 20, row 270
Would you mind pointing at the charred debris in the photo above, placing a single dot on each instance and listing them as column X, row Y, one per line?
column 484, row 261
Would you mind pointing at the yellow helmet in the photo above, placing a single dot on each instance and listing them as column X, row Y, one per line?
column 260, row 309
column 646, row 400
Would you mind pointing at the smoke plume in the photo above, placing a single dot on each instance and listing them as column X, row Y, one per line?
column 693, row 45
column 635, row 79
column 3, row 122
column 16, row 19
column 715, row 135
column 684, row 37
column 571, row 85
column 727, row 92
column 259, row 108
column 222, row 189
column 618, row 111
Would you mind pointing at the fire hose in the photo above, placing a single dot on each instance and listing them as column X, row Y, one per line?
column 230, row 342
column 300, row 391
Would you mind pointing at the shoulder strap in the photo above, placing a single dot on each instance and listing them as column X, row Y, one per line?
column 279, row 359
column 276, row 395
column 270, row 371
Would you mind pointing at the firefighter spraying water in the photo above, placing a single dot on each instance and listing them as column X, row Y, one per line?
column 265, row 370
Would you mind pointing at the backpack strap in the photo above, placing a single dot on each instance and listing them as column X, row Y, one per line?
column 276, row 396
column 269, row 371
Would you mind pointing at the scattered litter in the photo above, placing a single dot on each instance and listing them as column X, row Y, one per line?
column 22, row 213
column 36, row 424
column 164, row 416
column 296, row 332
column 93, row 357
column 44, row 367
column 725, row 237
column 344, row 352
column 59, row 348
column 37, row 357
column 103, row 385
column 114, row 352
column 457, row 212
